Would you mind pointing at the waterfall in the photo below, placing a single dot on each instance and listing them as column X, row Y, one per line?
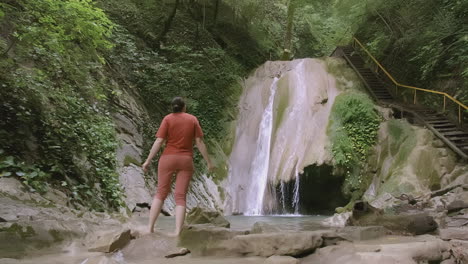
column 281, row 129
column 259, row 172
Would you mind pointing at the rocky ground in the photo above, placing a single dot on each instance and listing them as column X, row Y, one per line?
column 429, row 229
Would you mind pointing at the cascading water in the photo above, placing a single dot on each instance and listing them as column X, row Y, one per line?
column 281, row 128
column 259, row 172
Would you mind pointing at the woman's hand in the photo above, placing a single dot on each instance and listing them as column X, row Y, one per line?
column 145, row 166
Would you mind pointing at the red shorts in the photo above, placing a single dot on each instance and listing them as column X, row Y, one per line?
column 182, row 167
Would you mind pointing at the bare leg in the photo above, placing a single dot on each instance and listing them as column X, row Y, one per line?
column 180, row 218
column 154, row 213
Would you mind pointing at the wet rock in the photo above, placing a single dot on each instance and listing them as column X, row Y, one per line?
column 454, row 233
column 111, row 242
column 281, row 260
column 264, row 227
column 203, row 216
column 200, row 238
column 337, row 220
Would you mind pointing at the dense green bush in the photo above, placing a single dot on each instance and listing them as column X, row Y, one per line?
column 353, row 131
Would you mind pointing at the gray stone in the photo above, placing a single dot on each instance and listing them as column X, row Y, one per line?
column 203, row 216
column 111, row 242
column 281, row 260
column 454, row 233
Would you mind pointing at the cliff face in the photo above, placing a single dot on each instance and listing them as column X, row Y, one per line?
column 408, row 159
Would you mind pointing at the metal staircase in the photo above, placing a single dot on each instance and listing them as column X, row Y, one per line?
column 450, row 132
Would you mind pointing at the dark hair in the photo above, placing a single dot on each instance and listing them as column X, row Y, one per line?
column 177, row 104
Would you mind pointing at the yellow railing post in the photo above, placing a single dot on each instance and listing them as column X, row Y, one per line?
column 445, row 103
column 459, row 114
column 414, row 100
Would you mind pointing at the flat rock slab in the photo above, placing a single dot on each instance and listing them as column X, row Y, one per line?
column 454, row 233
column 281, row 260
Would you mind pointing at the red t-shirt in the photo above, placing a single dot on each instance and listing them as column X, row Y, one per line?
column 179, row 130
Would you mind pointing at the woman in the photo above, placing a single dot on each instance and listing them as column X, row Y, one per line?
column 178, row 130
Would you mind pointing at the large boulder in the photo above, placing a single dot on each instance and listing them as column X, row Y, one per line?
column 200, row 215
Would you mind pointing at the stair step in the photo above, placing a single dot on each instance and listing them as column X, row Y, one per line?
column 444, row 126
column 462, row 145
column 458, row 138
column 436, row 119
column 455, row 133
column 447, row 129
column 439, row 122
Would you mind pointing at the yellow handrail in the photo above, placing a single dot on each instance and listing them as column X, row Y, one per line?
column 460, row 104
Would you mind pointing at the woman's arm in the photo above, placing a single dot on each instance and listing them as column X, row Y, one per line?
column 202, row 148
column 154, row 150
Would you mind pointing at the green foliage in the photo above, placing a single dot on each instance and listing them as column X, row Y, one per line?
column 353, row 131
column 31, row 176
column 54, row 100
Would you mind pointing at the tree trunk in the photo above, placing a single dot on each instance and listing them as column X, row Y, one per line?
column 167, row 25
column 289, row 31
column 216, row 9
